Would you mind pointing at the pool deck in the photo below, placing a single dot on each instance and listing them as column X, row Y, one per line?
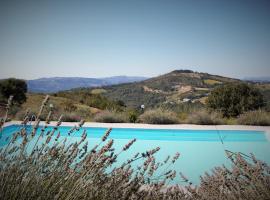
column 155, row 126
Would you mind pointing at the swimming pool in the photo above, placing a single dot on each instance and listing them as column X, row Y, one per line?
column 200, row 150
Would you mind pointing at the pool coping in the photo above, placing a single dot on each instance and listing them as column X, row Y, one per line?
column 157, row 126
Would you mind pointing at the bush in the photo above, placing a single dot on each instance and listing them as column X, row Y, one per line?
column 158, row 116
column 256, row 118
column 183, row 107
column 14, row 110
column 85, row 113
column 247, row 179
column 84, row 96
column 71, row 117
column 234, row 99
column 110, row 117
column 132, row 116
column 205, row 118
column 68, row 106
column 15, row 87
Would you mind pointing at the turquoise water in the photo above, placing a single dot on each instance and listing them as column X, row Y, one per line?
column 200, row 150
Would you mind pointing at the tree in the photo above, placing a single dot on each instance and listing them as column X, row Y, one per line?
column 15, row 87
column 235, row 98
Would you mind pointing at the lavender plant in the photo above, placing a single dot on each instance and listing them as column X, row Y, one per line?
column 36, row 164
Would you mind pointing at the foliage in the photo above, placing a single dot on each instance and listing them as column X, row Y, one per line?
column 182, row 71
column 133, row 95
column 121, row 103
column 133, row 116
column 265, row 90
column 110, row 117
column 61, row 105
column 15, row 87
column 84, row 96
column 204, row 117
column 158, row 116
column 234, row 99
column 183, row 107
column 161, row 88
column 68, row 106
column 256, row 117
column 14, row 110
column 245, row 180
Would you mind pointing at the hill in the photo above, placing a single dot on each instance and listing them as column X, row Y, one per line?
column 169, row 90
column 181, row 91
column 172, row 88
column 56, row 84
column 72, row 105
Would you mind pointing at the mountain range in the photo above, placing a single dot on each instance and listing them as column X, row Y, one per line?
column 264, row 79
column 56, row 84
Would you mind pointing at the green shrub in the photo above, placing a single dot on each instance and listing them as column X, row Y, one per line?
column 256, row 118
column 158, row 116
column 110, row 117
column 15, row 87
column 84, row 96
column 230, row 121
column 204, row 117
column 183, row 107
column 132, row 116
column 235, row 99
column 14, row 110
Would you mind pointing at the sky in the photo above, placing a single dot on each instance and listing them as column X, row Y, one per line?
column 133, row 37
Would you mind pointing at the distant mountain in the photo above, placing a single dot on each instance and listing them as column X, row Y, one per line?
column 114, row 80
column 171, row 88
column 264, row 79
column 56, row 84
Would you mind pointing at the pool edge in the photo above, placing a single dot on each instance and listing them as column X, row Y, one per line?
column 155, row 126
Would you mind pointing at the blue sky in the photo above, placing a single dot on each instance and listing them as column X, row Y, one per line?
column 134, row 37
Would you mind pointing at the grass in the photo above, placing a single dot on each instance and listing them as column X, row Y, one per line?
column 256, row 118
column 158, row 116
column 87, row 97
column 61, row 105
column 211, row 82
column 110, row 117
column 98, row 91
column 204, row 117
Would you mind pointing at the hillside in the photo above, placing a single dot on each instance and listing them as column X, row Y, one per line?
column 175, row 87
column 72, row 105
column 170, row 90
column 56, row 84
column 181, row 91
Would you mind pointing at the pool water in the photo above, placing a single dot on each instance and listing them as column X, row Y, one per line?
column 200, row 150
